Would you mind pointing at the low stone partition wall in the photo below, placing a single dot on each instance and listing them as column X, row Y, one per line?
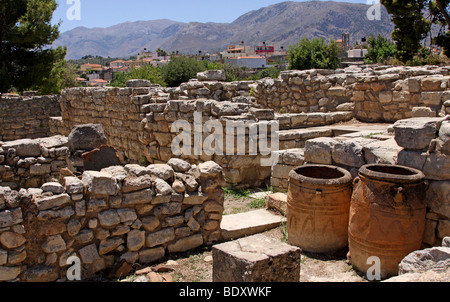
column 132, row 213
column 27, row 116
column 29, row 163
column 200, row 128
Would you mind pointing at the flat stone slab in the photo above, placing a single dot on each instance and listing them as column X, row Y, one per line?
column 257, row 258
column 245, row 224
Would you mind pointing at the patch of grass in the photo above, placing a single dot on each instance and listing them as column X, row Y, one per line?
column 236, row 192
column 284, row 230
column 257, row 203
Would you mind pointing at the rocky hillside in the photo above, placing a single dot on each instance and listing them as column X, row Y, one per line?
column 284, row 24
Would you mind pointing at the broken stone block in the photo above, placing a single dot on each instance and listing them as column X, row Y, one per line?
column 423, row 112
column 100, row 183
column 74, row 185
column 256, row 258
column 416, row 133
column 348, row 153
column 212, row 75
column 179, row 165
column 100, row 158
column 54, row 187
column 277, row 201
column 54, row 201
column 86, row 137
column 318, row 150
column 382, row 152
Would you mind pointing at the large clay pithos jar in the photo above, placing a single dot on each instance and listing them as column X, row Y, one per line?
column 387, row 217
column 318, row 206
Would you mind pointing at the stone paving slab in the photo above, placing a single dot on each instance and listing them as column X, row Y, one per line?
column 245, row 224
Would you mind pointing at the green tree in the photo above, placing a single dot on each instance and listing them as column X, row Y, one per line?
column 63, row 75
column 146, row 72
column 181, row 69
column 411, row 26
column 315, row 53
column 380, row 49
column 25, row 33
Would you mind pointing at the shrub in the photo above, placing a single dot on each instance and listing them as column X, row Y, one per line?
column 181, row 69
column 315, row 53
column 380, row 50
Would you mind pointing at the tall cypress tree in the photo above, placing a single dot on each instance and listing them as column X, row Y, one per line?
column 411, row 27
column 26, row 33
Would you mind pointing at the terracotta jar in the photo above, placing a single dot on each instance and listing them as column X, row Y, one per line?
column 318, row 206
column 387, row 216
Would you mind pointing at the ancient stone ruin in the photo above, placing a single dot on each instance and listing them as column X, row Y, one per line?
column 92, row 173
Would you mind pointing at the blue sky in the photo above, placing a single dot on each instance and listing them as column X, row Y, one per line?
column 104, row 13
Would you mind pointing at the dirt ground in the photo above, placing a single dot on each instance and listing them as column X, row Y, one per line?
column 196, row 265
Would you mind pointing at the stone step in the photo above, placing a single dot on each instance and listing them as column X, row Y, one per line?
column 245, row 224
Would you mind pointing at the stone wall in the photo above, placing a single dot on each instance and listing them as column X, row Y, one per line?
column 245, row 168
column 29, row 163
column 26, row 117
column 130, row 213
column 118, row 110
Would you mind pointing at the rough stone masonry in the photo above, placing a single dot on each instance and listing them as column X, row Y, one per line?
column 131, row 213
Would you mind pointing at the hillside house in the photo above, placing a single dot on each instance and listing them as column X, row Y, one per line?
column 251, row 62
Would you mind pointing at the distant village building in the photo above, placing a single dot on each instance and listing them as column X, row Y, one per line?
column 95, row 67
column 251, row 62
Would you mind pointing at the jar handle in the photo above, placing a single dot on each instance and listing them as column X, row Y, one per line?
column 398, row 199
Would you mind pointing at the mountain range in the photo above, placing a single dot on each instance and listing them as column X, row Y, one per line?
column 282, row 24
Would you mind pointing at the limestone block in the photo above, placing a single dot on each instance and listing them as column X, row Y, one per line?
column 11, row 240
column 256, row 258
column 133, row 184
column 318, row 150
column 413, row 159
column 100, row 183
column 54, row 244
column 349, row 153
column 40, row 169
column 382, row 152
column 431, row 98
column 436, row 258
column 179, row 165
column 212, row 75
column 8, row 273
column 185, row 244
column 53, row 187
column 437, row 166
column 109, row 245
column 24, row 147
column 89, row 254
column 54, row 201
column 160, row 237
column 138, row 83
column 109, row 218
column 423, row 112
column 277, row 201
column 416, row 133
column 162, row 171
column 151, row 255
column 162, row 187
column 444, row 138
column 135, row 240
